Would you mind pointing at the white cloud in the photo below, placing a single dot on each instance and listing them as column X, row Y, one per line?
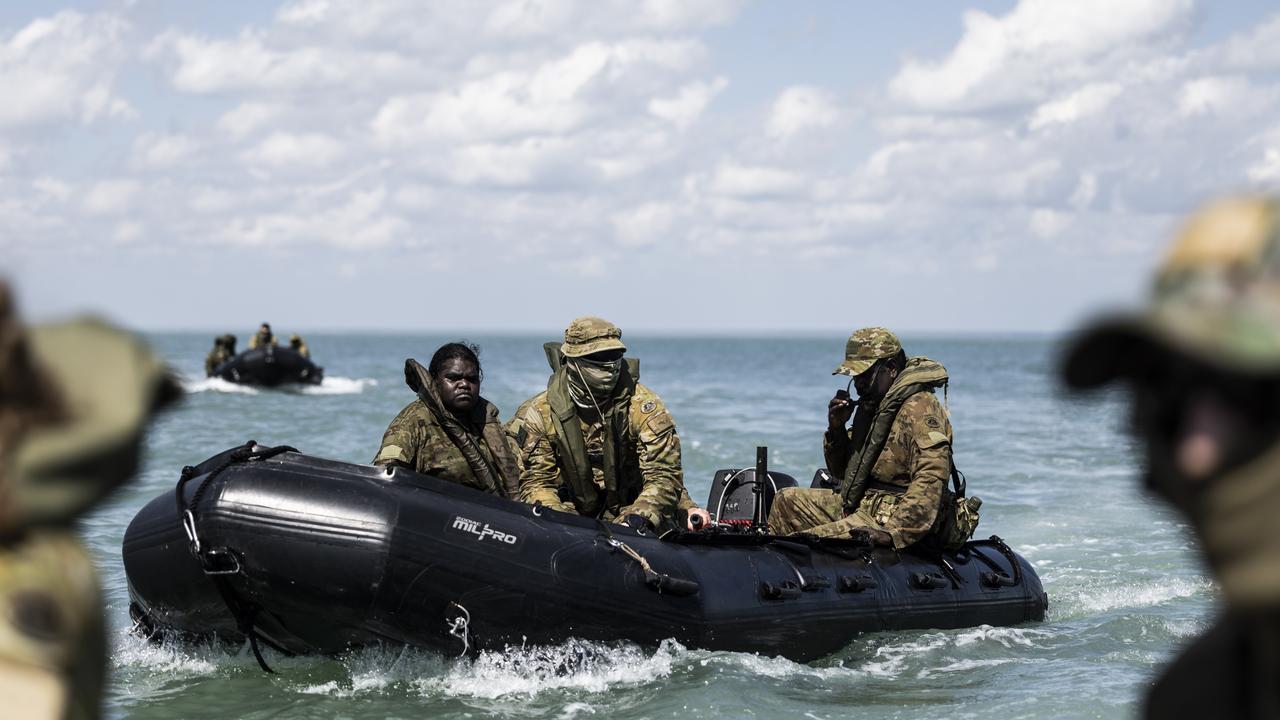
column 800, row 108
column 1084, row 102
column 153, row 151
column 111, row 197
column 290, row 151
column 1019, row 57
column 62, row 68
column 647, row 224
column 1213, row 95
column 361, row 222
column 247, row 117
column 1047, row 223
column 687, row 105
column 734, row 179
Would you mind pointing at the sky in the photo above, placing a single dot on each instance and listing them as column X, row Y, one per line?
column 713, row 166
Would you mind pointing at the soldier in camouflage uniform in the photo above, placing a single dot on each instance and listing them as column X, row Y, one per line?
column 894, row 461
column 597, row 442
column 262, row 338
column 298, row 345
column 1203, row 361
column 74, row 399
column 450, row 432
column 224, row 348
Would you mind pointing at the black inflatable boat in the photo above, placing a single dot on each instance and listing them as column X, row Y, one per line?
column 317, row 556
column 270, row 366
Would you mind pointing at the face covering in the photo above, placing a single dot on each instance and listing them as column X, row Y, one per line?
column 1235, row 516
column 591, row 382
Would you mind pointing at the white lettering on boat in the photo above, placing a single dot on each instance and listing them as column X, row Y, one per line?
column 482, row 533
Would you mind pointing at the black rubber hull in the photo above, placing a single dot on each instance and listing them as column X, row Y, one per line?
column 330, row 555
column 270, row 367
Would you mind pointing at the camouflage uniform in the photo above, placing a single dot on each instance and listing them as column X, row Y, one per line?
column 906, row 484
column 218, row 355
column 415, row 440
column 261, row 339
column 649, row 482
column 54, row 464
column 1212, row 329
column 297, row 343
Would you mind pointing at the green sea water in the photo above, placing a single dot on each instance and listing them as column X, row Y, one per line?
column 1056, row 473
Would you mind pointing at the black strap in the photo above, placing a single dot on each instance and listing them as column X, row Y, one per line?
column 243, row 613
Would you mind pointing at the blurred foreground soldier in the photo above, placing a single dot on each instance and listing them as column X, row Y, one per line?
column 597, row 442
column 450, row 432
column 299, row 346
column 224, row 348
column 1203, row 360
column 262, row 338
column 73, row 402
column 893, row 462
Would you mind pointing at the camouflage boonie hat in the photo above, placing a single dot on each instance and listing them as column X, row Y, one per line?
column 1216, row 299
column 588, row 335
column 865, row 347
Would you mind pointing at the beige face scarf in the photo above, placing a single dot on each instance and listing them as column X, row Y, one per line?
column 591, row 382
column 1237, row 516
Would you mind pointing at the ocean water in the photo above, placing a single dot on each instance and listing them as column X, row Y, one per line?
column 1056, row 473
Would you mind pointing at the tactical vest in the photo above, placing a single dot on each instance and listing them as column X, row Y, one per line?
column 921, row 374
column 623, row 481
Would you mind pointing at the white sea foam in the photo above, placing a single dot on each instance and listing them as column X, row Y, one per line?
column 329, row 386
column 165, row 658
column 214, row 384
column 1094, row 600
column 572, row 665
column 334, row 386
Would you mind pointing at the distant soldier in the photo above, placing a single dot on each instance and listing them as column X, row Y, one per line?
column 597, row 442
column 893, row 463
column 1203, row 360
column 450, row 431
column 262, row 338
column 224, row 348
column 299, row 346
column 73, row 402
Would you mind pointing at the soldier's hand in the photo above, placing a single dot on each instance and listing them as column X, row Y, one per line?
column 871, row 536
column 699, row 519
column 637, row 523
column 839, row 410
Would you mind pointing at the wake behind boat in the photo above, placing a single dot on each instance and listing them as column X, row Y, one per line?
column 318, row 556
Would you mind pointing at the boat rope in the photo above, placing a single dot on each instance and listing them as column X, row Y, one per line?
column 243, row 613
column 660, row 582
column 460, row 627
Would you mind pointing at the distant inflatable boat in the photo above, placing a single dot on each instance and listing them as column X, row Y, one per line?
column 316, row 556
column 270, row 366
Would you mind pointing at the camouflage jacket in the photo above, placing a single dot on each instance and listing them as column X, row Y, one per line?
column 651, row 482
column 258, row 340
column 416, row 440
column 915, row 464
column 216, row 357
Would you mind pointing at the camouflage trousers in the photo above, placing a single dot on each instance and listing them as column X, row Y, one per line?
column 820, row 512
column 52, row 640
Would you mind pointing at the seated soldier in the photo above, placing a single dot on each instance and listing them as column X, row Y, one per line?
column 299, row 346
column 893, row 464
column 262, row 338
column 450, row 432
column 599, row 443
column 223, row 350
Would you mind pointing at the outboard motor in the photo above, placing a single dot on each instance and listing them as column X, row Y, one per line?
column 732, row 499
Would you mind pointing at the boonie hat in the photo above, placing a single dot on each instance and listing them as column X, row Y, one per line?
column 588, row 335
column 106, row 384
column 1216, row 299
column 865, row 347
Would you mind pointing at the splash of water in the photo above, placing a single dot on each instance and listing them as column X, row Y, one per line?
column 215, row 384
column 572, row 665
